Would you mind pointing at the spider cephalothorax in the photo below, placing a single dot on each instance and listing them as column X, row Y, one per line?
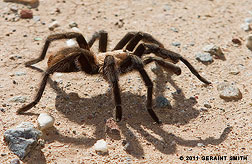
column 125, row 57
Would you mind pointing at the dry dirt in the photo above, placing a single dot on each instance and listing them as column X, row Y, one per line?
column 81, row 104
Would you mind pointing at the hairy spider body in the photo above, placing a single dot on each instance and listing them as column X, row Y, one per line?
column 129, row 54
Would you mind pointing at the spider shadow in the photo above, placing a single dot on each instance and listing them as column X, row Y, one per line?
column 89, row 111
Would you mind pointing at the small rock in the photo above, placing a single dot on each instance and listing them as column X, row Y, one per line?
column 73, row 24
column 20, row 99
column 166, row 7
column 22, row 139
column 45, row 121
column 37, row 39
column 162, row 102
column 236, row 41
column 200, row 144
column 101, row 146
column 207, row 105
column 53, row 25
column 176, row 44
column 71, row 43
column 174, row 29
column 248, row 20
column 127, row 146
column 246, row 27
column 75, row 29
column 14, row 8
column 20, row 73
column 2, row 110
column 15, row 161
column 213, row 50
column 228, row 91
column 205, row 58
column 36, row 18
column 111, row 127
column 26, row 14
column 203, row 110
column 249, row 42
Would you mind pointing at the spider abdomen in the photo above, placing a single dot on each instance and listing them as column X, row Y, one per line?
column 63, row 53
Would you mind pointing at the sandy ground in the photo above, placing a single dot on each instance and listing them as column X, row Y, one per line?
column 81, row 104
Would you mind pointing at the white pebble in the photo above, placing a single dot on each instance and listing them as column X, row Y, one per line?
column 101, row 146
column 249, row 42
column 45, row 121
column 229, row 91
column 75, row 29
column 246, row 27
column 53, row 25
column 71, row 43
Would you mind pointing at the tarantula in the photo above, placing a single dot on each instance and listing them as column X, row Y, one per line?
column 125, row 57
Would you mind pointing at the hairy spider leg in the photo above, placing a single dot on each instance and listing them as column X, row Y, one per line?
column 103, row 40
column 175, row 57
column 134, row 62
column 69, row 35
column 111, row 74
column 131, row 39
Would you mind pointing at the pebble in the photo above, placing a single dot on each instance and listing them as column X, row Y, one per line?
column 15, row 161
column 36, row 18
column 236, row 41
column 26, row 14
column 248, row 20
column 176, row 44
column 162, row 102
column 213, row 50
column 205, row 58
column 249, row 42
column 127, row 146
column 200, row 144
column 166, row 7
column 14, row 8
column 207, row 105
column 20, row 99
column 229, row 91
column 37, row 39
column 71, row 43
column 20, row 73
column 174, row 29
column 53, row 25
column 73, row 24
column 75, row 29
column 101, row 146
column 2, row 110
column 45, row 121
column 246, row 27
column 22, row 139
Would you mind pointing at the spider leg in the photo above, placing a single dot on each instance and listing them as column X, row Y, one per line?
column 57, row 66
column 134, row 62
column 174, row 57
column 69, row 35
column 131, row 39
column 111, row 74
column 168, row 66
column 103, row 40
